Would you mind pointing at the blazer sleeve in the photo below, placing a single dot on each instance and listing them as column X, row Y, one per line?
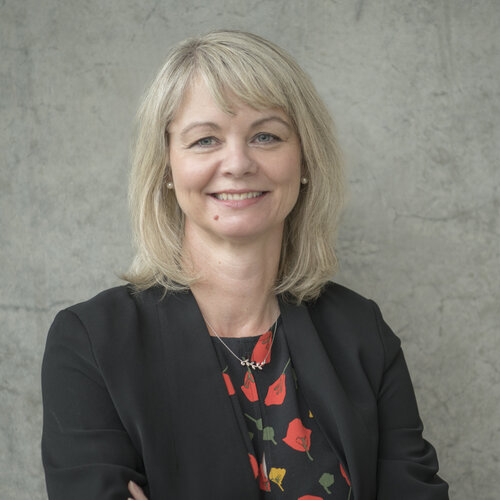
column 407, row 463
column 86, row 451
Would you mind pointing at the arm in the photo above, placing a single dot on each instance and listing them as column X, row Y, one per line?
column 407, row 463
column 86, row 452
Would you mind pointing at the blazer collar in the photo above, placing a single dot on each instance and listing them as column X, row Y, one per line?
column 206, row 430
column 337, row 416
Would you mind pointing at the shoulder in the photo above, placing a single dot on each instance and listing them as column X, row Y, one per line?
column 343, row 304
column 339, row 311
column 116, row 297
column 111, row 318
column 120, row 303
column 334, row 293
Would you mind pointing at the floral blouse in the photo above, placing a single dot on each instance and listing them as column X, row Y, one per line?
column 288, row 453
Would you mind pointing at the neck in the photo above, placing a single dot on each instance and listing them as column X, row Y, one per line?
column 234, row 292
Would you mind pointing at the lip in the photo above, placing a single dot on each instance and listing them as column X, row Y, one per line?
column 238, row 191
column 238, row 203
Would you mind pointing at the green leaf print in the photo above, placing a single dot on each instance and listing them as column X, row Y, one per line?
column 257, row 422
column 268, row 435
column 326, row 480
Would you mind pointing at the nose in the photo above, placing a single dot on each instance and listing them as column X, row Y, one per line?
column 238, row 160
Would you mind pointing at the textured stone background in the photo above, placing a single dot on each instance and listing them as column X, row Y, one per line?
column 414, row 88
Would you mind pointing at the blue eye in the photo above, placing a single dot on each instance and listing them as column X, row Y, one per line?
column 204, row 142
column 266, row 138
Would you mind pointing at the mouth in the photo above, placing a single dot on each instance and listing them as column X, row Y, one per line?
column 238, row 196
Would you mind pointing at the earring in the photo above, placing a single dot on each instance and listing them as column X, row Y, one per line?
column 304, row 180
column 170, row 185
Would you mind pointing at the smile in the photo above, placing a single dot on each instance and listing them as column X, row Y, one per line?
column 237, row 196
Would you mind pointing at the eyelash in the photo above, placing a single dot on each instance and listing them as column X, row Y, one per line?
column 273, row 138
column 198, row 142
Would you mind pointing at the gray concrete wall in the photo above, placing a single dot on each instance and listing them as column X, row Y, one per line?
column 414, row 88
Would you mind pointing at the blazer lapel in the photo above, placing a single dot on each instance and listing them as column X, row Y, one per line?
column 211, row 452
column 338, row 418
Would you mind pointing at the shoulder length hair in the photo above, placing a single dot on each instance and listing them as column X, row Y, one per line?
column 261, row 75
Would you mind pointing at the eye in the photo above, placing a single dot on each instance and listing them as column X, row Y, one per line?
column 265, row 138
column 204, row 142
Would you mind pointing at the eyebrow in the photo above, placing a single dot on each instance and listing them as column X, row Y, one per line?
column 214, row 126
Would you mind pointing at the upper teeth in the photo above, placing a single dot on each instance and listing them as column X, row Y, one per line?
column 237, row 196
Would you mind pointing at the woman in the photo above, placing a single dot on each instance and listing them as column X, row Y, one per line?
column 229, row 366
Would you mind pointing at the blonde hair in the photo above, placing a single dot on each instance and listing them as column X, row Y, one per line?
column 261, row 75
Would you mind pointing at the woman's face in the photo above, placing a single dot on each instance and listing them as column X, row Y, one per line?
column 235, row 176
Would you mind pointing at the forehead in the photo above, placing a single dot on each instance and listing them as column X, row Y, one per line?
column 199, row 104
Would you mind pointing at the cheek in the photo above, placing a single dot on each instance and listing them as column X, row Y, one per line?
column 288, row 174
column 294, row 195
column 288, row 178
column 294, row 174
column 188, row 176
column 190, row 181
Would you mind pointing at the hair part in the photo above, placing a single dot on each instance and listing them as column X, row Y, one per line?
column 253, row 70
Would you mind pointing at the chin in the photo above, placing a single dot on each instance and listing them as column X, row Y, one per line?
column 247, row 232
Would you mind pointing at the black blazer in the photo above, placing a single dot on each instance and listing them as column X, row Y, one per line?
column 132, row 389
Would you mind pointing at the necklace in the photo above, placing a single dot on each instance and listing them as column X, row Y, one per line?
column 245, row 361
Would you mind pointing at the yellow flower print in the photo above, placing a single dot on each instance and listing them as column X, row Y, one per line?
column 276, row 475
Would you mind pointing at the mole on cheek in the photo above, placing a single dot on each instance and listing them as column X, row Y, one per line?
column 216, row 217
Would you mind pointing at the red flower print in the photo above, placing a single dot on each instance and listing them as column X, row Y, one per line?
column 344, row 475
column 229, row 384
column 264, row 483
column 249, row 388
column 309, row 497
column 277, row 390
column 262, row 347
column 298, row 437
column 255, row 466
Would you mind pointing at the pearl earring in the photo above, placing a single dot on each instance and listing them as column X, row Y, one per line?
column 304, row 180
column 170, row 185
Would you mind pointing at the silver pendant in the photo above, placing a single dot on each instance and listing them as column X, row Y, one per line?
column 251, row 364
